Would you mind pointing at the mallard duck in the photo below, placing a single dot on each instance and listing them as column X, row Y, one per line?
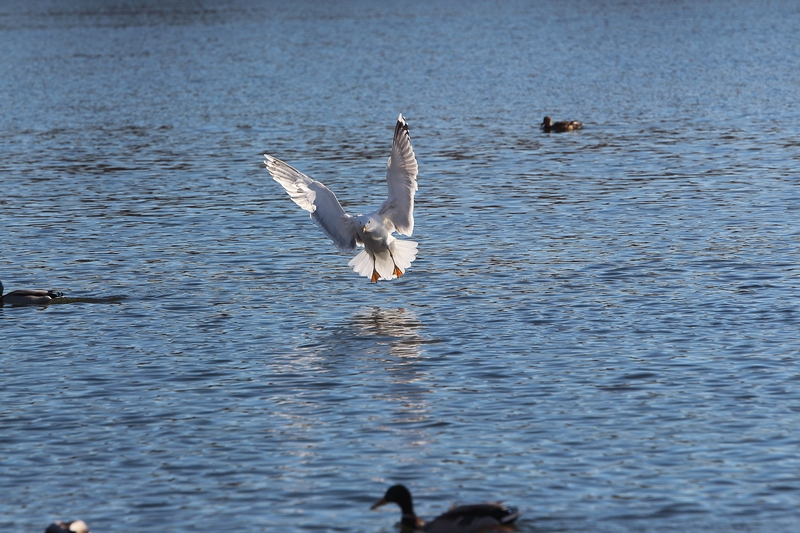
column 28, row 296
column 76, row 526
column 459, row 519
column 565, row 125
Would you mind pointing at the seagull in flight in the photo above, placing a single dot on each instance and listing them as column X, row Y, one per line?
column 383, row 256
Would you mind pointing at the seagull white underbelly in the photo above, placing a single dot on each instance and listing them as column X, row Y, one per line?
column 377, row 245
column 383, row 257
column 376, row 242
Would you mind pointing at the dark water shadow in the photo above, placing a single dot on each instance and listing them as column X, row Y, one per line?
column 69, row 300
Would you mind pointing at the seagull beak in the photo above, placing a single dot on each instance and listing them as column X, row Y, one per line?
column 382, row 502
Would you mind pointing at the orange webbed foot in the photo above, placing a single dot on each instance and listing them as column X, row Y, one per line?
column 397, row 271
column 375, row 276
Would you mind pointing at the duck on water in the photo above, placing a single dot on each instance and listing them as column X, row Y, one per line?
column 28, row 296
column 565, row 125
column 76, row 526
column 460, row 519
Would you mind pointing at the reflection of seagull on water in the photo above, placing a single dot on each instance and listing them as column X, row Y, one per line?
column 399, row 323
column 383, row 257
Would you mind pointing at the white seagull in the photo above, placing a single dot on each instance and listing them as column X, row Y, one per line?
column 383, row 256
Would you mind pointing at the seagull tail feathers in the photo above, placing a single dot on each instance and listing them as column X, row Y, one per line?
column 385, row 265
column 363, row 264
column 403, row 253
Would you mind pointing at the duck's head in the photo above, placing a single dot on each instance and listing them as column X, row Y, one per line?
column 397, row 494
column 547, row 122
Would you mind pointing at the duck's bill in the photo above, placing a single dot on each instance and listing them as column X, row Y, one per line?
column 382, row 502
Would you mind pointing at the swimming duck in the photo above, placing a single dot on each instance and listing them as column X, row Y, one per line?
column 565, row 125
column 28, row 296
column 459, row 519
column 76, row 526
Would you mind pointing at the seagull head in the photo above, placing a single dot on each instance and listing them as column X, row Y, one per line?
column 367, row 223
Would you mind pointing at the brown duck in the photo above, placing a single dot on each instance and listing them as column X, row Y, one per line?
column 565, row 125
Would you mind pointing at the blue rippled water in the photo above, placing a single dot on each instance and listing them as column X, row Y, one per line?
column 601, row 327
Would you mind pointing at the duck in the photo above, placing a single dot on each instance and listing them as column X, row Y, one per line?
column 76, row 526
column 458, row 519
column 565, row 125
column 28, row 296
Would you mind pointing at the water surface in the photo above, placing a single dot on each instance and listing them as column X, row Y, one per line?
column 601, row 327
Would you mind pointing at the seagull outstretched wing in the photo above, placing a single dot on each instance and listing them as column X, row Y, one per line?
column 401, row 177
column 318, row 200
